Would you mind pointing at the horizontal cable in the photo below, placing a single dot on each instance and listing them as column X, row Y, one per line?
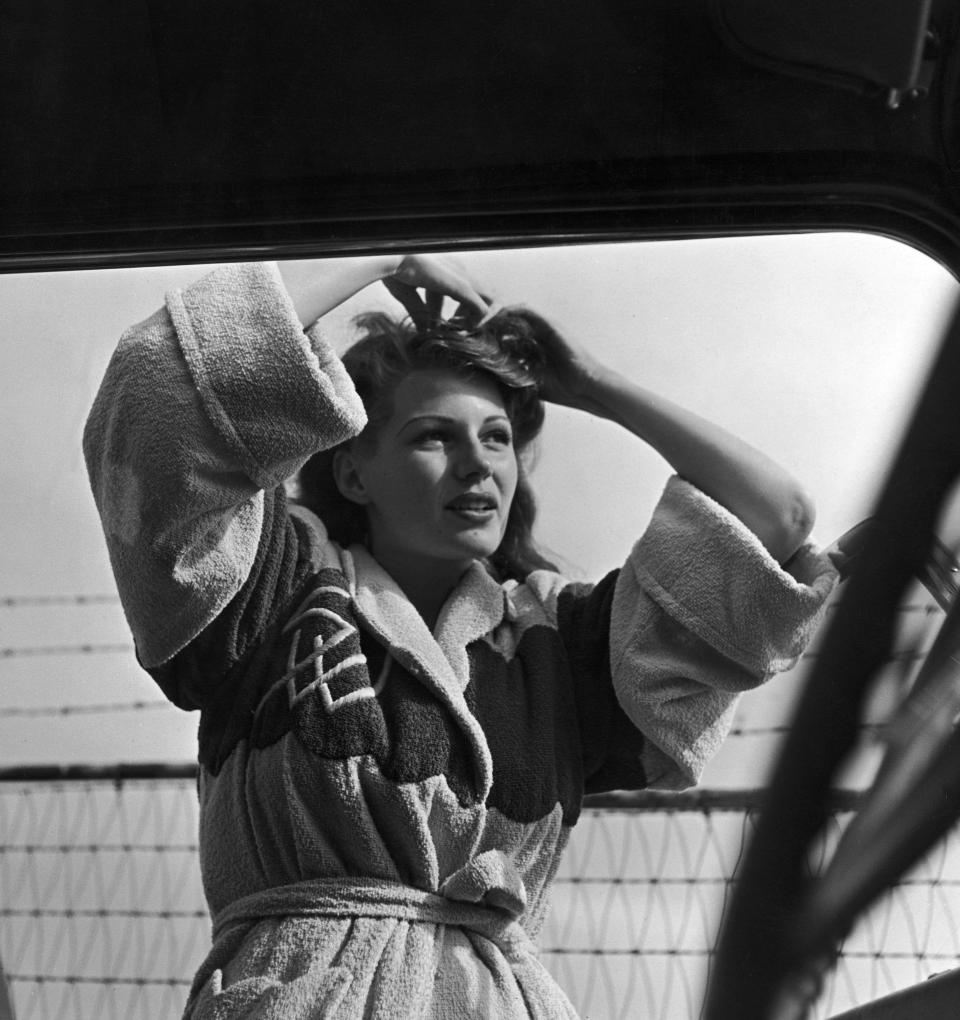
column 45, row 711
column 605, row 951
column 695, row 800
column 15, row 601
column 704, row 800
column 120, row 773
column 110, row 647
column 108, row 598
column 41, row 711
column 905, row 655
column 36, row 651
column 98, row 848
column 95, row 598
column 153, row 915
column 78, row 979
column 115, row 647
column 111, row 598
column 613, row 880
column 767, row 731
column 106, row 708
column 860, row 954
column 81, row 979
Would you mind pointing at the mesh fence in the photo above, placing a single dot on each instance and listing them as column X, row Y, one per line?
column 639, row 899
column 102, row 906
column 103, row 915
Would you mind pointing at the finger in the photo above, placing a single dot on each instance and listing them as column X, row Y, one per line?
column 442, row 276
column 435, row 305
column 465, row 315
column 451, row 277
column 493, row 308
column 463, row 291
column 468, row 288
column 410, row 299
column 468, row 316
column 455, row 266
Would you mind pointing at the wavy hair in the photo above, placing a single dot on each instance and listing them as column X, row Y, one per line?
column 505, row 350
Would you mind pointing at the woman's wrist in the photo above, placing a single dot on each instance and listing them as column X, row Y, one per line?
column 597, row 390
column 317, row 286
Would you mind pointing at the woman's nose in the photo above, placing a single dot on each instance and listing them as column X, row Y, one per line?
column 474, row 462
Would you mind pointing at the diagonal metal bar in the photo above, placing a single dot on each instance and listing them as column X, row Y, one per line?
column 754, row 957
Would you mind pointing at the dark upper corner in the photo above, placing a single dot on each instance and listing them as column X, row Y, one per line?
column 159, row 129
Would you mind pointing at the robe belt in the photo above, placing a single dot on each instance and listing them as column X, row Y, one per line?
column 379, row 898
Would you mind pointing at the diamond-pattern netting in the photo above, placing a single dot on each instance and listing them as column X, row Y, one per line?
column 100, row 898
column 639, row 898
column 102, row 913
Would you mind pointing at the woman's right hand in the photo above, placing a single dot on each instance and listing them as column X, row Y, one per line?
column 440, row 277
column 317, row 286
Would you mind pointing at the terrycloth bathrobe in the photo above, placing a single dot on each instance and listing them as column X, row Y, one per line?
column 383, row 808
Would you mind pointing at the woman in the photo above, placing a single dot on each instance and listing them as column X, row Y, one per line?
column 397, row 728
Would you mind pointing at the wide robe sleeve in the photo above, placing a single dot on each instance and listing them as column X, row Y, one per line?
column 702, row 612
column 661, row 649
column 205, row 409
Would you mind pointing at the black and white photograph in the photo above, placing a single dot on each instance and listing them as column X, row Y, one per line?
column 479, row 518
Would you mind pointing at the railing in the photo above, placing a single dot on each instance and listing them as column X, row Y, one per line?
column 102, row 912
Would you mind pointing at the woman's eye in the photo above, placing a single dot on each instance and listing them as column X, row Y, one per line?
column 499, row 437
column 432, row 436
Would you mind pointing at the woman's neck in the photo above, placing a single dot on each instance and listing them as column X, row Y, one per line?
column 426, row 583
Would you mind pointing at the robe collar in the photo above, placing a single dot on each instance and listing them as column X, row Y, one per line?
column 476, row 606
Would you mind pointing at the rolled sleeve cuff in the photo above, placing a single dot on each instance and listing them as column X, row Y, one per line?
column 275, row 393
column 710, row 573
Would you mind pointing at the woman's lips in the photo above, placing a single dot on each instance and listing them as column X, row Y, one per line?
column 471, row 502
column 474, row 516
column 476, row 509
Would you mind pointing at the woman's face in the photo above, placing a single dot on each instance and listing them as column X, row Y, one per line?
column 439, row 484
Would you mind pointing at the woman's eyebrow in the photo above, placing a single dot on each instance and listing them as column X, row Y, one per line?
column 420, row 419
column 430, row 417
column 446, row 419
column 417, row 418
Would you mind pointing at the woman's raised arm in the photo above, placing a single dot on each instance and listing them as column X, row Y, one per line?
column 762, row 494
column 316, row 288
column 205, row 408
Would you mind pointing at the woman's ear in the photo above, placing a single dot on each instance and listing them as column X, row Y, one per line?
column 348, row 476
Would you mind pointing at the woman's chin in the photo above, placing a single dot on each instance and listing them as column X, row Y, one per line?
column 474, row 545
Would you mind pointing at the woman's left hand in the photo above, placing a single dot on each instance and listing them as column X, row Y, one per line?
column 571, row 371
column 766, row 498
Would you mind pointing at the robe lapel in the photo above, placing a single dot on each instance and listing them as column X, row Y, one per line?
column 474, row 608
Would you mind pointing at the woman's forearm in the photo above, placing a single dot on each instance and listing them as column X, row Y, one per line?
column 317, row 287
column 765, row 497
